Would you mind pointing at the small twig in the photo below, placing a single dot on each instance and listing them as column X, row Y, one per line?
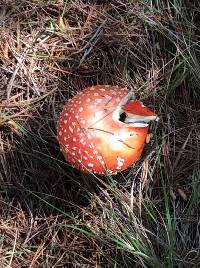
column 10, row 84
column 13, row 250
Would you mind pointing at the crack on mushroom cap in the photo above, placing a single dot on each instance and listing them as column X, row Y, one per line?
column 125, row 100
column 135, row 120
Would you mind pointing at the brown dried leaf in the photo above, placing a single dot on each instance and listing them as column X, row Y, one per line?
column 182, row 194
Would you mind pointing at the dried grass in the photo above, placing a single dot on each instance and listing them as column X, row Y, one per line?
column 49, row 50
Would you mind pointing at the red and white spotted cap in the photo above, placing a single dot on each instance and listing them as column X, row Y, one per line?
column 92, row 135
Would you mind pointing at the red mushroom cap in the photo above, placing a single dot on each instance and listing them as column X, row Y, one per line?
column 93, row 134
column 138, row 113
column 137, row 107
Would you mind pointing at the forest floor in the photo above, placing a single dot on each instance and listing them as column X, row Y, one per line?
column 52, row 215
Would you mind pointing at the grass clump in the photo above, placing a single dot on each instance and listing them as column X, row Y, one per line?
column 55, row 216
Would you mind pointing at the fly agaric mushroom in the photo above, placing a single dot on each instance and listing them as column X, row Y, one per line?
column 103, row 129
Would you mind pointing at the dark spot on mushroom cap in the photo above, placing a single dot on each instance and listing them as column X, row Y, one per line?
column 122, row 117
